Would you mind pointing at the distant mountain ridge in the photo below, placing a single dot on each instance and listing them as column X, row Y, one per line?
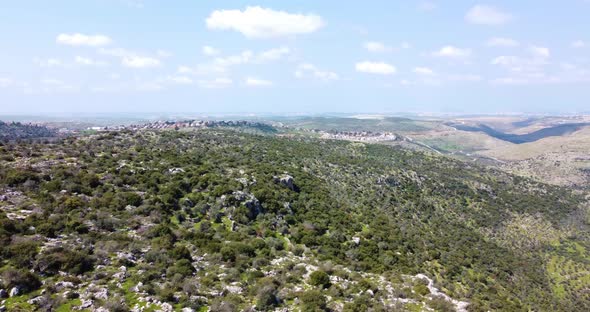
column 558, row 130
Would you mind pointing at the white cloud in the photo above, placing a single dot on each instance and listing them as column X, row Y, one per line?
column 377, row 47
column 487, row 15
column 221, row 65
column 505, row 60
column 579, row 44
column 509, row 81
column 55, row 85
column 164, row 53
column 540, row 52
column 465, row 77
column 78, row 39
column 149, row 87
column 6, row 82
column 242, row 58
column 210, row 51
column 50, row 81
column 273, row 54
column 530, row 69
column 310, row 70
column 216, row 83
column 379, row 68
column 137, row 4
column 140, row 62
column 380, row 47
column 452, row 52
column 181, row 80
column 427, row 6
column 261, row 23
column 249, row 57
column 520, row 64
column 424, row 71
column 255, row 82
column 133, row 59
column 51, row 62
column 428, row 77
column 185, row 70
column 88, row 61
column 502, row 42
column 117, row 52
column 202, row 69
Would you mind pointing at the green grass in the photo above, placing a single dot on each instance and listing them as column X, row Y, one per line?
column 19, row 303
column 69, row 306
column 227, row 222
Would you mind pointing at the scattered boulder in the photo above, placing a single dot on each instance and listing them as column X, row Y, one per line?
column 86, row 303
column 234, row 289
column 59, row 286
column 98, row 293
column 253, row 206
column 137, row 288
column 15, row 291
column 36, row 301
column 287, row 181
column 175, row 170
column 127, row 256
column 166, row 307
column 3, row 294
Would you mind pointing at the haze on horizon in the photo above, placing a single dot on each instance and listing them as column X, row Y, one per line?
column 98, row 56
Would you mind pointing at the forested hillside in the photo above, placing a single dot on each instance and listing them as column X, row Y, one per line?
column 166, row 220
column 17, row 130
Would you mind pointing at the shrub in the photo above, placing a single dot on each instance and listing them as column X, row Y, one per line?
column 442, row 305
column 17, row 177
column 421, row 289
column 182, row 267
column 25, row 280
column 116, row 305
column 228, row 254
column 266, row 294
column 266, row 298
column 312, row 301
column 181, row 252
column 59, row 259
column 319, row 278
column 23, row 254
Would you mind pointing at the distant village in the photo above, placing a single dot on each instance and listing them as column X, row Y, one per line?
column 155, row 125
column 363, row 136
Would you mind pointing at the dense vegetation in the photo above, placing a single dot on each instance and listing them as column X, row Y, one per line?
column 17, row 130
column 235, row 221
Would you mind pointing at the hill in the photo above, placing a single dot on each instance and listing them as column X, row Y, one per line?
column 233, row 221
column 553, row 131
column 17, row 130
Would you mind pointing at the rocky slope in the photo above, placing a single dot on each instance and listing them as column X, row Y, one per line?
column 227, row 221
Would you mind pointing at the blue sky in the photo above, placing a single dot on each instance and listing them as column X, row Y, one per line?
column 294, row 56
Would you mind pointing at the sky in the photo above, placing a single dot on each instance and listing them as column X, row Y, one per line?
column 296, row 56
